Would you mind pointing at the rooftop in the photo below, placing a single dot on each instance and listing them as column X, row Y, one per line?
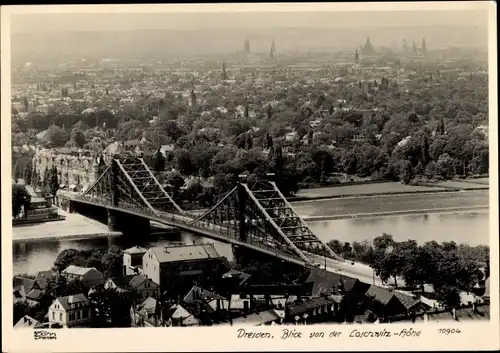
column 77, row 270
column 67, row 301
column 135, row 250
column 185, row 253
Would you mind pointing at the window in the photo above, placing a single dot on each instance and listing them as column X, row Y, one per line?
column 60, row 317
column 78, row 314
column 53, row 315
column 85, row 314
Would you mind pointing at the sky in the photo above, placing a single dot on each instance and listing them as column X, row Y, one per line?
column 36, row 23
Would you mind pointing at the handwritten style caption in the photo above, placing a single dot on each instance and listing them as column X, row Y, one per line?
column 293, row 333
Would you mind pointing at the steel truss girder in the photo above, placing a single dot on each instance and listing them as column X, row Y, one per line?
column 134, row 185
column 287, row 219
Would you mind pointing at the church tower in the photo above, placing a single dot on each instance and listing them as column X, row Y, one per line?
column 246, row 47
column 272, row 54
column 424, row 47
column 224, row 73
column 356, row 57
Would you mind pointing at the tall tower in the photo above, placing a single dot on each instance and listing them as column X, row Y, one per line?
column 246, row 46
column 272, row 54
column 405, row 46
column 356, row 57
column 415, row 50
column 224, row 73
column 424, row 47
column 193, row 99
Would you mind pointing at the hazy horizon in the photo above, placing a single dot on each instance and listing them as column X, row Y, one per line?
column 38, row 36
column 36, row 23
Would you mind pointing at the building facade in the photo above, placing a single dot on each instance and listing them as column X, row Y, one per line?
column 70, row 311
column 176, row 268
column 76, row 168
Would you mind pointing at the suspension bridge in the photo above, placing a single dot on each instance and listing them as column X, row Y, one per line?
column 252, row 215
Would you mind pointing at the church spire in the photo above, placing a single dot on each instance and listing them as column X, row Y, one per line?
column 356, row 57
column 272, row 54
column 246, row 46
column 424, row 47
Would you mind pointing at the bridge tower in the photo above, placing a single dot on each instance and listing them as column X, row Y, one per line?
column 119, row 221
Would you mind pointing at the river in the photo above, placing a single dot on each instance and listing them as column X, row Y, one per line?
column 471, row 227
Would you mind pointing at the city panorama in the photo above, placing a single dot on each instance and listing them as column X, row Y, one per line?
column 249, row 169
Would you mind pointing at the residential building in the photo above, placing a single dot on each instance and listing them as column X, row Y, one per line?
column 315, row 310
column 22, row 287
column 176, row 268
column 42, row 278
column 143, row 287
column 89, row 276
column 70, row 311
column 132, row 260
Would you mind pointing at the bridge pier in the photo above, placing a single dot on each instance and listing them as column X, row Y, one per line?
column 113, row 221
column 128, row 224
column 71, row 206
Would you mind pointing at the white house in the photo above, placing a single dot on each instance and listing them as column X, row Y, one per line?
column 70, row 311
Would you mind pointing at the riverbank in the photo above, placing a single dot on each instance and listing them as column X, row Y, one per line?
column 392, row 204
column 73, row 227
column 396, row 213
column 387, row 188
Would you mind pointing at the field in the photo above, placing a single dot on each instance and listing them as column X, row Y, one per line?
column 365, row 189
column 391, row 203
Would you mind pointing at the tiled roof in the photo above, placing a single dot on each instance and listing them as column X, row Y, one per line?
column 121, row 282
column 328, row 283
column 137, row 280
column 186, row 252
column 26, row 322
column 309, row 305
column 72, row 299
column 408, row 301
column 26, row 283
column 42, row 277
column 149, row 305
column 200, row 293
column 179, row 312
column 135, row 250
column 381, row 295
column 257, row 319
column 34, row 294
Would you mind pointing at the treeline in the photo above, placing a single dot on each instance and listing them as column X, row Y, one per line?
column 449, row 267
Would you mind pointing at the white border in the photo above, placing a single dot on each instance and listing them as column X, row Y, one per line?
column 474, row 336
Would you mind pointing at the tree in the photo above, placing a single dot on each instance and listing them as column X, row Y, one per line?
column 56, row 137
column 183, row 161
column 445, row 166
column 78, row 138
column 20, row 199
column 66, row 258
column 158, row 161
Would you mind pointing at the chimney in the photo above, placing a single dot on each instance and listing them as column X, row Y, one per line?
column 454, row 313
